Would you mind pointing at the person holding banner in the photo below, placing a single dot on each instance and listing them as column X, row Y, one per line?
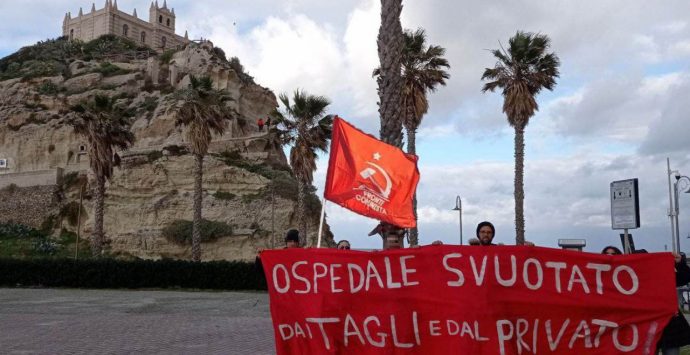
column 291, row 241
column 611, row 250
column 677, row 332
column 392, row 236
column 343, row 245
column 486, row 233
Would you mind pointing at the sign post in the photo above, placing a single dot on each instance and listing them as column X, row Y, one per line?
column 625, row 208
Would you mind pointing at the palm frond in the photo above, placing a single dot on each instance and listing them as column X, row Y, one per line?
column 104, row 127
column 303, row 124
column 202, row 111
column 522, row 71
column 423, row 68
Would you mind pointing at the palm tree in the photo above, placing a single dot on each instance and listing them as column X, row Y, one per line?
column 522, row 72
column 390, row 49
column 422, row 69
column 104, row 127
column 304, row 123
column 202, row 111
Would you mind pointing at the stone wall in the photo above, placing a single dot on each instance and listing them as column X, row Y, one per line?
column 30, row 206
column 87, row 27
column 32, row 178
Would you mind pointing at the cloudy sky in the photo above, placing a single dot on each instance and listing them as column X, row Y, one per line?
column 620, row 107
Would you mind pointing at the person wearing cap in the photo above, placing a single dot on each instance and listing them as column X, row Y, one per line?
column 394, row 240
column 292, row 239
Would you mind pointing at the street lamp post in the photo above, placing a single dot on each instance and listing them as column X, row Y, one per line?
column 458, row 207
column 670, row 205
column 682, row 183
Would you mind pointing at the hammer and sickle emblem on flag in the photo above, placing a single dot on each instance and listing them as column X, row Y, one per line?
column 369, row 173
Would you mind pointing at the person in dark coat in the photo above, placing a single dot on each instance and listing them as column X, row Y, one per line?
column 291, row 241
column 677, row 332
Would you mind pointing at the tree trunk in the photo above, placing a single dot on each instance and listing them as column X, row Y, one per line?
column 98, row 236
column 196, row 225
column 519, row 185
column 301, row 212
column 390, row 48
column 412, row 149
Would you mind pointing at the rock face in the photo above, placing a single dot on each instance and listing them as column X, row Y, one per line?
column 247, row 183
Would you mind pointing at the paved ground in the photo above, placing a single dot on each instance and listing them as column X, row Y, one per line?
column 46, row 321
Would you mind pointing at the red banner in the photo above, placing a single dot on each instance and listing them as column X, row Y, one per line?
column 468, row 300
column 370, row 177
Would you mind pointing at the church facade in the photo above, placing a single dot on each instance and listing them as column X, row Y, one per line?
column 158, row 32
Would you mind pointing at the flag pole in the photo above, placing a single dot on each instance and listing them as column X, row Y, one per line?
column 323, row 213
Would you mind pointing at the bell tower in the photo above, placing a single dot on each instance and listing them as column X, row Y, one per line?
column 162, row 17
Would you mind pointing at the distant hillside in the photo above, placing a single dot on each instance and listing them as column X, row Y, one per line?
column 52, row 57
column 250, row 191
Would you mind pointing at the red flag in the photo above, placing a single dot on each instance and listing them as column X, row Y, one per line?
column 370, row 177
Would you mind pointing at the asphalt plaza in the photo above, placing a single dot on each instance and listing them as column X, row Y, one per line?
column 70, row 321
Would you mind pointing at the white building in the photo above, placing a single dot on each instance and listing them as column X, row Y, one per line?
column 158, row 32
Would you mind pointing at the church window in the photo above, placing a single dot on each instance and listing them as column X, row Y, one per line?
column 71, row 34
column 163, row 41
column 125, row 30
column 143, row 37
column 168, row 22
column 160, row 18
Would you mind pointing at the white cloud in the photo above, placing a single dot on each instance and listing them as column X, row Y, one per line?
column 625, row 109
column 680, row 49
column 621, row 89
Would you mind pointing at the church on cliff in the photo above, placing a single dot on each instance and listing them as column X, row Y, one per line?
column 158, row 32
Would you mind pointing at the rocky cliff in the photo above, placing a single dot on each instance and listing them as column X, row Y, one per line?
column 248, row 186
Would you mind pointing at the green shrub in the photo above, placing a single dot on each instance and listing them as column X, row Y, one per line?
column 45, row 58
column 37, row 68
column 11, row 188
column 109, row 69
column 224, row 195
column 166, row 56
column 220, row 53
column 35, row 106
column 285, row 186
column 71, row 212
column 180, row 231
column 47, row 87
column 45, row 247
column 154, row 155
column 15, row 230
column 150, row 104
column 176, row 150
column 239, row 69
column 248, row 198
column 49, row 223
column 111, row 273
column 111, row 44
column 234, row 158
column 73, row 179
column 312, row 202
